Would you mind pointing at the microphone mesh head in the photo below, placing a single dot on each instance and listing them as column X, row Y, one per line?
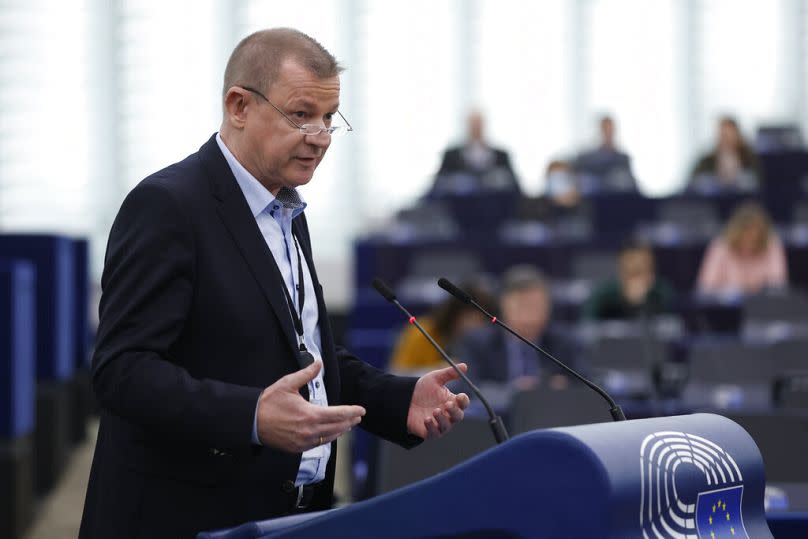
column 382, row 288
column 447, row 285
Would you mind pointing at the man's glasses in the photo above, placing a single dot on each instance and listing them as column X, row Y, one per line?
column 307, row 129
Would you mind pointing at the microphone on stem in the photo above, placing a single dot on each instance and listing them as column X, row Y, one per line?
column 494, row 421
column 614, row 408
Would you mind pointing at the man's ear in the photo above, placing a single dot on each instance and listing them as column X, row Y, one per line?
column 235, row 107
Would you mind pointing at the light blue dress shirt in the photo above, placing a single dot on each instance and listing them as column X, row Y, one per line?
column 274, row 218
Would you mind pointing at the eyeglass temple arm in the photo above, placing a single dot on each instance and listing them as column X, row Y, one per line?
column 350, row 127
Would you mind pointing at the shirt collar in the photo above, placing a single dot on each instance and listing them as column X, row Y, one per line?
column 258, row 197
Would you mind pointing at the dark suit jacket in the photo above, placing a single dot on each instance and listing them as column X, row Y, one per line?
column 486, row 353
column 611, row 168
column 455, row 163
column 194, row 325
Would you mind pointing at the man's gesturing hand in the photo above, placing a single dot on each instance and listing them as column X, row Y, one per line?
column 289, row 422
column 434, row 409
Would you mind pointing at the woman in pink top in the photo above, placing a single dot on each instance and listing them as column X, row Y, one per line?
column 746, row 258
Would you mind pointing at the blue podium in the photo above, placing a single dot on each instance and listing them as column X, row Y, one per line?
column 699, row 476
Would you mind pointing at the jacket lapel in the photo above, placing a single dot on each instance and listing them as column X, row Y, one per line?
column 238, row 219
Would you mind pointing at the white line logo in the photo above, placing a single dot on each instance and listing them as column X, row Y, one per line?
column 690, row 488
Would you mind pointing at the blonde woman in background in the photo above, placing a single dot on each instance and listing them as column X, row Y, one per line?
column 746, row 258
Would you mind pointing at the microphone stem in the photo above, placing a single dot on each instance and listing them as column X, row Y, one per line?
column 497, row 426
column 614, row 408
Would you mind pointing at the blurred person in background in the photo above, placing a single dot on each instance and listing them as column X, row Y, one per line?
column 561, row 185
column 732, row 163
column 635, row 293
column 746, row 258
column 501, row 363
column 561, row 197
column 605, row 165
column 475, row 166
column 448, row 321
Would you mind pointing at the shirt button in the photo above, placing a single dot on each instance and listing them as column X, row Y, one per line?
column 317, row 384
column 288, row 486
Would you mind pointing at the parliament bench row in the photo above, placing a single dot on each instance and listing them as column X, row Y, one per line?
column 609, row 213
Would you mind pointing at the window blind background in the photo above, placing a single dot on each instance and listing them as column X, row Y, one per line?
column 97, row 94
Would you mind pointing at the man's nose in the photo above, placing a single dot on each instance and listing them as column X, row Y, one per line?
column 321, row 139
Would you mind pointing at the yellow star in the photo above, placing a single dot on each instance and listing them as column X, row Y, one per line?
column 732, row 530
column 727, row 516
column 713, row 509
column 712, row 535
column 724, row 506
column 711, row 520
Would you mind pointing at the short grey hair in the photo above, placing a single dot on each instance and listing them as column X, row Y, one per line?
column 523, row 277
column 258, row 57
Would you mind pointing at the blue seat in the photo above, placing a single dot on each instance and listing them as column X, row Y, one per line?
column 17, row 400
column 81, row 315
column 17, row 355
column 730, row 375
column 52, row 257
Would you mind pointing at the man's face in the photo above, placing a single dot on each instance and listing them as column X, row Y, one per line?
column 607, row 131
column 277, row 153
column 527, row 311
column 728, row 136
column 475, row 125
column 636, row 275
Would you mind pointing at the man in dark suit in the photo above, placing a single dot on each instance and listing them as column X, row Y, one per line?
column 502, row 363
column 606, row 166
column 475, row 166
column 221, row 388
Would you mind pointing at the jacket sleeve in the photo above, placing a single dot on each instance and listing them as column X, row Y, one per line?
column 385, row 397
column 148, row 286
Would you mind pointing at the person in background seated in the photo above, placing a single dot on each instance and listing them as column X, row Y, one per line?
column 501, row 363
column 561, row 198
column 746, row 258
column 448, row 321
column 562, row 185
column 476, row 165
column 606, row 164
column 731, row 164
column 635, row 293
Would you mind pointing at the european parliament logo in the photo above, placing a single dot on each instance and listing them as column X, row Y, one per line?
column 691, row 489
